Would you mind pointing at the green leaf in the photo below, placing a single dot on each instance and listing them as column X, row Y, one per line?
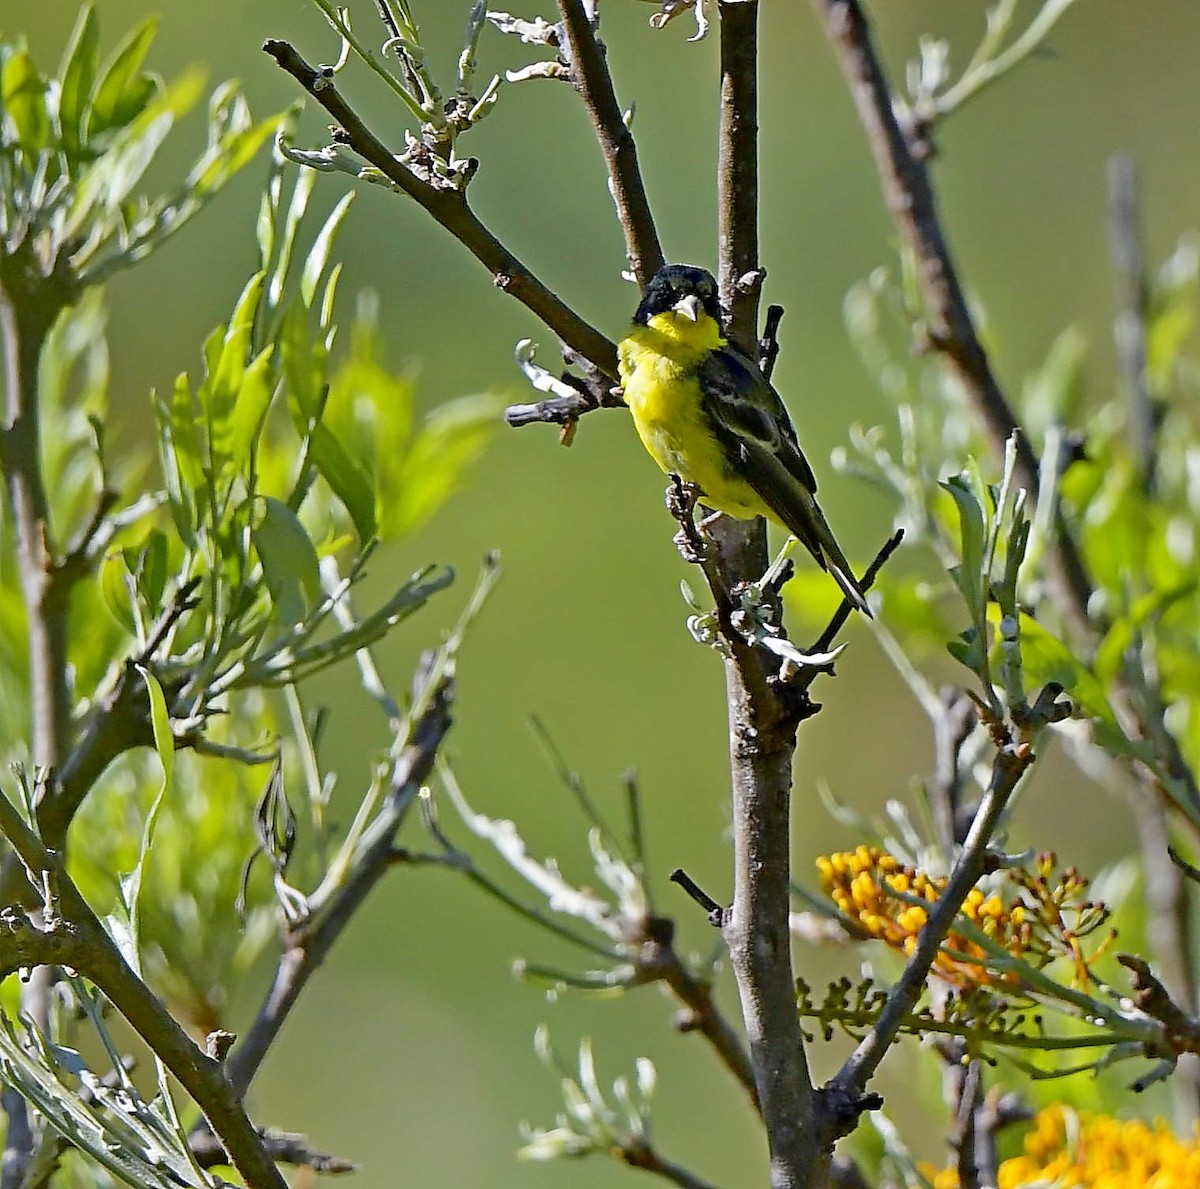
column 318, row 255
column 1172, row 313
column 232, row 152
column 122, row 93
column 115, row 583
column 305, row 181
column 182, row 413
column 289, row 560
column 164, row 745
column 153, row 571
column 1048, row 659
column 303, row 365
column 967, row 650
column 973, row 536
column 1110, row 655
column 77, row 72
column 175, row 456
column 1052, row 395
column 250, row 408
column 268, row 214
column 448, row 441
column 225, row 353
column 25, row 100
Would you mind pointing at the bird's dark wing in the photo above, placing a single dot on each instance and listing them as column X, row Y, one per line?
column 741, row 402
column 754, row 429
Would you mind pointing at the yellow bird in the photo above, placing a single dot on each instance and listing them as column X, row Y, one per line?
column 706, row 413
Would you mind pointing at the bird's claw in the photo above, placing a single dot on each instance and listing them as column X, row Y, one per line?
column 682, row 498
column 693, row 548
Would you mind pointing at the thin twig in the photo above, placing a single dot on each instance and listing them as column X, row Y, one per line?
column 716, row 912
column 824, row 641
column 309, row 945
column 768, row 341
column 591, row 78
column 645, row 1157
column 284, row 1146
column 952, row 728
column 964, row 1080
column 1181, row 1027
column 658, row 961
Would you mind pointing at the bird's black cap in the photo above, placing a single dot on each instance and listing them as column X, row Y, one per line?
column 673, row 282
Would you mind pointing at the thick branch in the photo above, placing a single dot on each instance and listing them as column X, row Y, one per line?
column 449, row 207
column 75, row 937
column 590, row 77
column 762, row 730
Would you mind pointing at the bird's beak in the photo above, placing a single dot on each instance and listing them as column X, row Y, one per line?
column 689, row 307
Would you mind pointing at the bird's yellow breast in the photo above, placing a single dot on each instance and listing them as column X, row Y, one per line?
column 659, row 366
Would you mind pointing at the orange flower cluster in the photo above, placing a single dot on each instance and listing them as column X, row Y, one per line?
column 1044, row 918
column 1085, row 1151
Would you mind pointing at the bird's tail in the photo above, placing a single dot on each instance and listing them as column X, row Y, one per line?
column 822, row 544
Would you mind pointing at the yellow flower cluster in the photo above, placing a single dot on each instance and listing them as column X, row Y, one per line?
column 879, row 894
column 1082, row 1151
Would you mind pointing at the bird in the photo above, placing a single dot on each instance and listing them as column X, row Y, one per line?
column 705, row 412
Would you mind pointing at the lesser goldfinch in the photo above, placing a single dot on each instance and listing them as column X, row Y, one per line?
column 706, row 413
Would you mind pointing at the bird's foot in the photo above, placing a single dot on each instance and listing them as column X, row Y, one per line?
column 694, row 547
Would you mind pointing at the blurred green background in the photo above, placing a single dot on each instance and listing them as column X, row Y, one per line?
column 411, row 1052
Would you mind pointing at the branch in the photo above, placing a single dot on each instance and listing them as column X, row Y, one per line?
column 646, row 1158
column 590, row 77
column 1169, row 923
column 952, row 728
column 904, row 176
column 32, row 295
column 738, row 269
column 449, row 207
column 657, row 960
column 1129, row 327
column 762, row 725
column 1182, row 1029
column 73, row 936
column 284, row 1147
column 308, row 945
